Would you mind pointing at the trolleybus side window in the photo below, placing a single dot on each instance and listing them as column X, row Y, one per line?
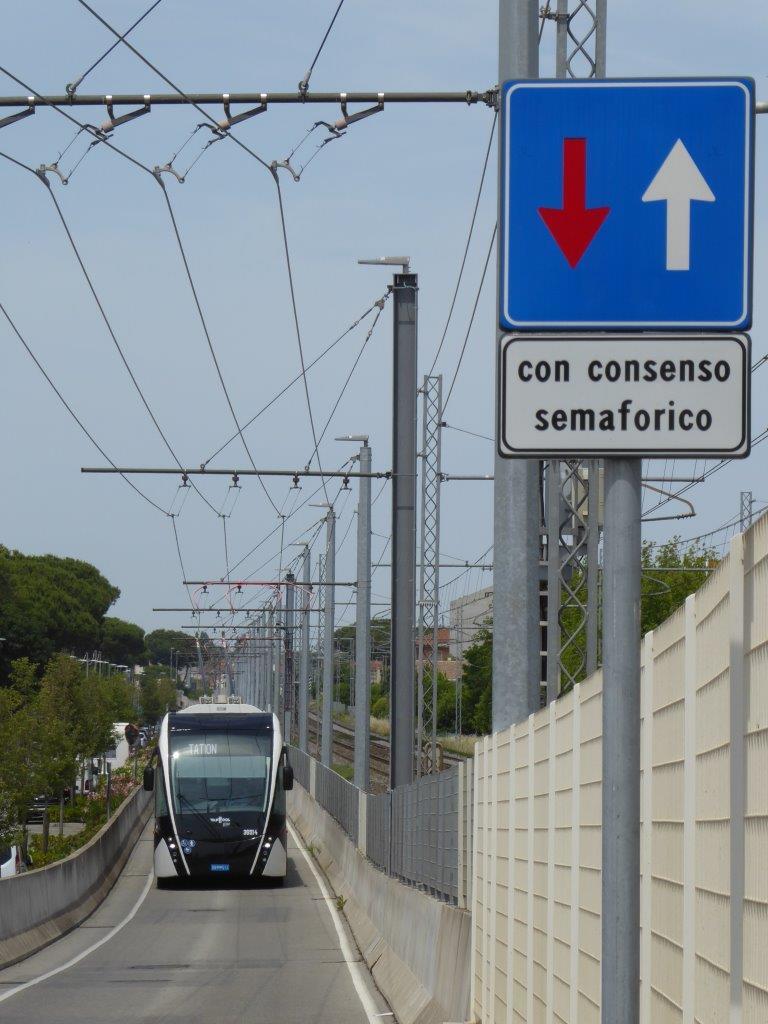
column 161, row 800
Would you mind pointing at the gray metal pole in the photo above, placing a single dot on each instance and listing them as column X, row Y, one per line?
column 326, row 748
column 593, row 567
column 553, row 580
column 304, row 666
column 269, row 689
column 363, row 629
column 402, row 697
column 259, row 667
column 289, row 684
column 601, row 22
column 516, row 644
column 277, row 654
column 621, row 744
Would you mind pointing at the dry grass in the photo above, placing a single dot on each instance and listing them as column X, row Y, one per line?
column 464, row 745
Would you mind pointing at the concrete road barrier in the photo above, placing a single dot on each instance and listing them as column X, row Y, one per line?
column 417, row 948
column 38, row 907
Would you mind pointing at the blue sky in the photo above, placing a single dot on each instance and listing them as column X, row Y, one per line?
column 400, row 182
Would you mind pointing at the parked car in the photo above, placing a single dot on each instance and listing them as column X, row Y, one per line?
column 37, row 807
column 11, row 861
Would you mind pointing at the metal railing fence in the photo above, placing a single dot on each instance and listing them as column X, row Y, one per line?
column 340, row 798
column 378, row 817
column 299, row 761
column 424, row 834
column 420, row 833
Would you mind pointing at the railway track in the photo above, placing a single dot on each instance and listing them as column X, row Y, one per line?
column 344, row 751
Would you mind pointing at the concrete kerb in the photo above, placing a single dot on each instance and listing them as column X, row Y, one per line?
column 417, row 949
column 39, row 907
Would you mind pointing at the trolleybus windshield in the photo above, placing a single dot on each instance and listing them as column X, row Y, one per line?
column 219, row 770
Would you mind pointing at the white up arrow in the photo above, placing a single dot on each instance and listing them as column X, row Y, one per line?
column 677, row 183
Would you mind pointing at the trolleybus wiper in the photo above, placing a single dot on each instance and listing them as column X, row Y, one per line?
column 198, row 814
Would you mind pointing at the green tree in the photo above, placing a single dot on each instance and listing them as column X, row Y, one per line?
column 122, row 642
column 160, row 642
column 58, row 741
column 18, row 782
column 670, row 572
column 680, row 571
column 476, row 684
column 49, row 604
column 157, row 694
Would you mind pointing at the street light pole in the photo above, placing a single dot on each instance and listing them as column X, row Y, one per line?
column 289, row 686
column 362, row 775
column 403, row 586
column 326, row 749
column 304, row 667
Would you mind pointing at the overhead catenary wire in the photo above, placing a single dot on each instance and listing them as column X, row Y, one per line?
column 182, row 252
column 172, row 85
column 304, row 83
column 40, row 176
column 137, row 163
column 296, row 379
column 264, row 164
column 466, row 247
column 347, row 380
column 294, row 308
column 471, row 320
column 708, row 472
column 208, row 338
column 74, row 415
column 72, row 87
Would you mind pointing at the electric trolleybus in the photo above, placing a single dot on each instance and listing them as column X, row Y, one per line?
column 220, row 780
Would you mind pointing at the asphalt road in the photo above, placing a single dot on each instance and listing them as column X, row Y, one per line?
column 200, row 956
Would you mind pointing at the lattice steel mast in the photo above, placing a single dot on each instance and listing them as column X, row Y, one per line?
column 429, row 572
column 573, row 486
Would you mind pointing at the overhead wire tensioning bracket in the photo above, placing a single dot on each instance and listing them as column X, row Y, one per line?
column 347, row 119
column 230, row 119
column 19, row 115
column 115, row 121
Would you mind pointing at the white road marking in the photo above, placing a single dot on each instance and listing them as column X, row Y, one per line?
column 352, row 962
column 86, row 952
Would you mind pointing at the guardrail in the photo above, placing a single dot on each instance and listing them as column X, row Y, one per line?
column 340, row 798
column 420, row 833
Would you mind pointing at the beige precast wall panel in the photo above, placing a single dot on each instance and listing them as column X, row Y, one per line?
column 704, row 827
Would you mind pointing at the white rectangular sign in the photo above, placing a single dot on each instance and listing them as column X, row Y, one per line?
column 684, row 396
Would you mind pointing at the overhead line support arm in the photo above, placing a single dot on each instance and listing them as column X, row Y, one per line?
column 468, row 97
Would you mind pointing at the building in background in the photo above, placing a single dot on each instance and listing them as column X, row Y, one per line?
column 468, row 615
column 447, row 665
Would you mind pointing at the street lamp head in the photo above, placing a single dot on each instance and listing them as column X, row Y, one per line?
column 388, row 261
column 360, row 438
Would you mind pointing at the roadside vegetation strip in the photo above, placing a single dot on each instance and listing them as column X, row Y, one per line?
column 92, row 811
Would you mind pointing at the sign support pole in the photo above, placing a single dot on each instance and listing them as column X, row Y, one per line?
column 621, row 743
column 516, row 643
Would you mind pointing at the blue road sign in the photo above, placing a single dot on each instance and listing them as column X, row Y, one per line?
column 627, row 205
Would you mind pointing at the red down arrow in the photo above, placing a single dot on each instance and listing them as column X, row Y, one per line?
column 574, row 227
